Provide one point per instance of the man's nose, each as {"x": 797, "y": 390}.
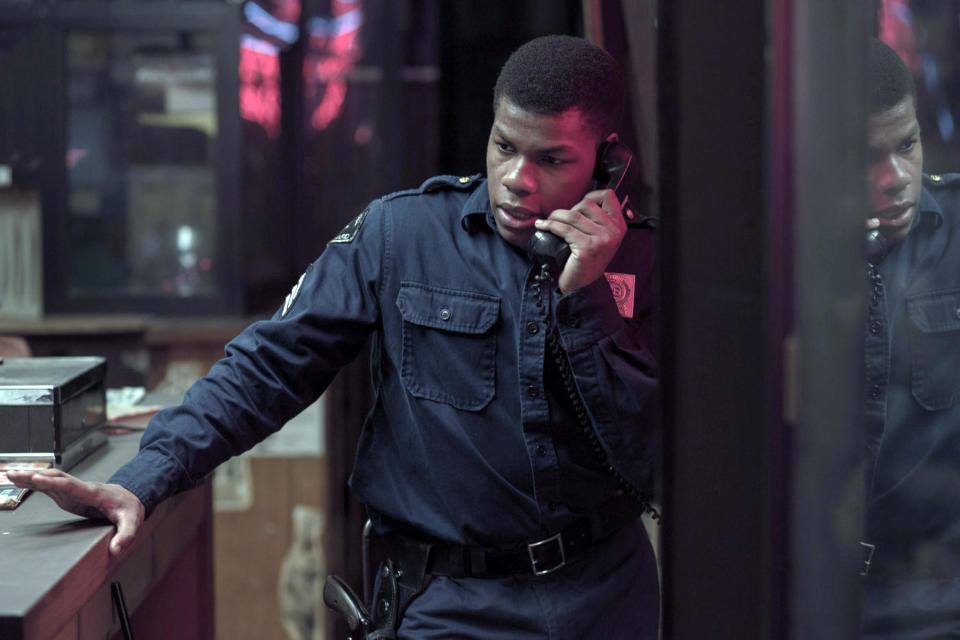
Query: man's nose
{"x": 520, "y": 179}
{"x": 894, "y": 176}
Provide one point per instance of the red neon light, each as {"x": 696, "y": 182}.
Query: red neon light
{"x": 896, "y": 30}
{"x": 260, "y": 89}
{"x": 326, "y": 69}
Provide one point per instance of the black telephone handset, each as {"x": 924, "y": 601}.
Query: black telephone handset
{"x": 616, "y": 169}
{"x": 876, "y": 246}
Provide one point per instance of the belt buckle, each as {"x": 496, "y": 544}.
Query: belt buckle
{"x": 870, "y": 548}
{"x": 534, "y": 561}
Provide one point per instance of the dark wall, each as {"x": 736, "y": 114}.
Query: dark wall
{"x": 475, "y": 39}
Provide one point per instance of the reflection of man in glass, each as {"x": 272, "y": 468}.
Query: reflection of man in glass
{"x": 912, "y": 349}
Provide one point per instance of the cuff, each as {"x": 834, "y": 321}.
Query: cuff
{"x": 150, "y": 476}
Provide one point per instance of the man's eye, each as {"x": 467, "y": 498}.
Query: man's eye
{"x": 503, "y": 147}
{"x": 552, "y": 160}
{"x": 908, "y": 145}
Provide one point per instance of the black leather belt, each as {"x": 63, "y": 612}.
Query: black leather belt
{"x": 540, "y": 557}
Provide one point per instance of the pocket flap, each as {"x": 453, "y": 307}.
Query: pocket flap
{"x": 447, "y": 309}
{"x": 936, "y": 312}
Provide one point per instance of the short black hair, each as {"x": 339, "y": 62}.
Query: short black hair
{"x": 890, "y": 80}
{"x": 551, "y": 74}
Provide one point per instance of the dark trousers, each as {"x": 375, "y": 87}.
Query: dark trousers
{"x": 611, "y": 592}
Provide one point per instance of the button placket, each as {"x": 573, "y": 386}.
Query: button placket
{"x": 877, "y": 354}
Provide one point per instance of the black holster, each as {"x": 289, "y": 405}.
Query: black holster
{"x": 401, "y": 577}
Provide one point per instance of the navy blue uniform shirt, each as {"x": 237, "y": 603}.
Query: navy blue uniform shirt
{"x": 913, "y": 424}
{"x": 465, "y": 442}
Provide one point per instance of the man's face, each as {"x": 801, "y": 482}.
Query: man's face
{"x": 895, "y": 161}
{"x": 535, "y": 165}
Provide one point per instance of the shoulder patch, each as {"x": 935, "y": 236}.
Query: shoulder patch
{"x": 294, "y": 292}
{"x": 623, "y": 286}
{"x": 350, "y": 231}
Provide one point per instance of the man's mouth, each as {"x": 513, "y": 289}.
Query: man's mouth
{"x": 516, "y": 216}
{"x": 895, "y": 216}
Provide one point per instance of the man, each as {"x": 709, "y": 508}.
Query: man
{"x": 509, "y": 445}
{"x": 912, "y": 349}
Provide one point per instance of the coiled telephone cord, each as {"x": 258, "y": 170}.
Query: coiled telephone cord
{"x": 559, "y": 357}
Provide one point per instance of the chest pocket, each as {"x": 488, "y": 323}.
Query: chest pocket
{"x": 935, "y": 348}
{"x": 449, "y": 346}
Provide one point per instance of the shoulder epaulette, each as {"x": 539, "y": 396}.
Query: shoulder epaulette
{"x": 449, "y": 182}
{"x": 935, "y": 180}
{"x": 437, "y": 183}
{"x": 400, "y": 194}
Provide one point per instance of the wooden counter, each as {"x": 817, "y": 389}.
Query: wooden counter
{"x": 55, "y": 569}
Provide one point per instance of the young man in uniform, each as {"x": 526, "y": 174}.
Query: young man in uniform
{"x": 912, "y": 350}
{"x": 507, "y": 457}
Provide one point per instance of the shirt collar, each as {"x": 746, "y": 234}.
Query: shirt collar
{"x": 476, "y": 213}
{"x": 929, "y": 214}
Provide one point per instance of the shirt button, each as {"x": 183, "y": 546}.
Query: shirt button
{"x": 532, "y": 391}
{"x": 957, "y": 312}
{"x": 532, "y": 328}
{"x": 541, "y": 450}
{"x": 874, "y": 327}
{"x": 875, "y": 391}
{"x": 445, "y": 314}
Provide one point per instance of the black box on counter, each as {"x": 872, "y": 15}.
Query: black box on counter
{"x": 52, "y": 405}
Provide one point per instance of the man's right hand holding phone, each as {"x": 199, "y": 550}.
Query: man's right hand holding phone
{"x": 594, "y": 229}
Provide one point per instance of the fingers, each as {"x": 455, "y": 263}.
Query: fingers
{"x": 596, "y": 218}
{"x": 125, "y": 510}
{"x": 21, "y": 477}
{"x": 39, "y": 479}
{"x": 88, "y": 499}
{"x": 609, "y": 206}
{"x": 873, "y": 223}
{"x": 71, "y": 494}
{"x": 56, "y": 481}
{"x": 127, "y": 526}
